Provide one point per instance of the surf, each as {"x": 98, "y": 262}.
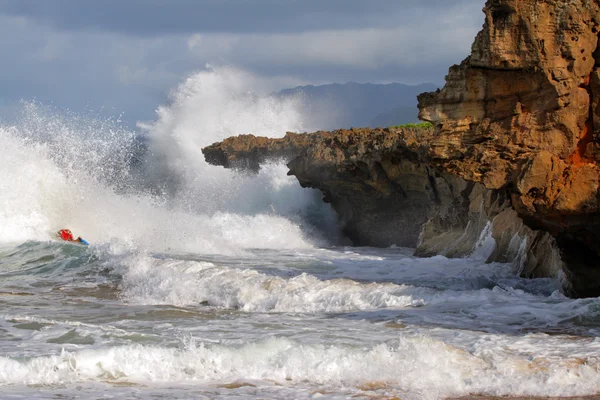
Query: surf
{"x": 201, "y": 281}
{"x": 151, "y": 189}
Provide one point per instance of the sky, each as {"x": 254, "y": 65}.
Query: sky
{"x": 124, "y": 56}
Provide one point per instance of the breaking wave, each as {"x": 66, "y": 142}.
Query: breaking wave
{"x": 154, "y": 190}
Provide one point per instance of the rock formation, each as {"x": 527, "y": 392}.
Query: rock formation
{"x": 387, "y": 190}
{"x": 514, "y": 149}
{"x": 367, "y": 175}
{"x": 522, "y": 114}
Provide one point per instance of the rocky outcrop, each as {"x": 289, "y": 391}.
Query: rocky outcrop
{"x": 366, "y": 174}
{"x": 387, "y": 190}
{"x": 515, "y": 149}
{"x": 521, "y": 114}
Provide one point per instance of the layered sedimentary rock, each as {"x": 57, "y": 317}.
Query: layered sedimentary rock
{"x": 522, "y": 114}
{"x": 515, "y": 143}
{"x": 367, "y": 175}
{"x": 387, "y": 190}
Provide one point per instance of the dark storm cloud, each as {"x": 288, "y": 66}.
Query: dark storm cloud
{"x": 157, "y": 17}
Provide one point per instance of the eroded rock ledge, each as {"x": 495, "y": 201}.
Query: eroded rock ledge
{"x": 367, "y": 175}
{"x": 516, "y": 141}
{"x": 388, "y": 190}
{"x": 521, "y": 114}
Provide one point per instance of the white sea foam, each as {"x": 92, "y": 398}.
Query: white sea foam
{"x": 27, "y": 181}
{"x": 485, "y": 245}
{"x": 62, "y": 170}
{"x": 149, "y": 280}
{"x": 251, "y": 291}
{"x": 418, "y": 366}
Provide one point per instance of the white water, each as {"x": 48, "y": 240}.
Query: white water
{"x": 69, "y": 171}
{"x": 203, "y": 283}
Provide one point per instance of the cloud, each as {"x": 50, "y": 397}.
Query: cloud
{"x": 158, "y": 17}
{"x": 367, "y": 49}
{"x": 127, "y": 55}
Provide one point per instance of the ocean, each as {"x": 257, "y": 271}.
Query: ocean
{"x": 204, "y": 283}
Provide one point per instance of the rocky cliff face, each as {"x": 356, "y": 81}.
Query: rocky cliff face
{"x": 387, "y": 190}
{"x": 367, "y": 175}
{"x": 522, "y": 114}
{"x": 515, "y": 150}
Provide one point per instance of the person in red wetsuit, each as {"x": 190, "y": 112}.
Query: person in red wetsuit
{"x": 67, "y": 236}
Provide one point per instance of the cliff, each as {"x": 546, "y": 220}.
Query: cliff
{"x": 387, "y": 190}
{"x": 367, "y": 175}
{"x": 522, "y": 114}
{"x": 514, "y": 151}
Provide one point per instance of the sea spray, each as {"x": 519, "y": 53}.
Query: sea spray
{"x": 211, "y": 106}
{"x": 205, "y": 283}
{"x": 486, "y": 244}
{"x": 155, "y": 191}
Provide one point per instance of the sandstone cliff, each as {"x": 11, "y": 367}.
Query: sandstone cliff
{"x": 516, "y": 142}
{"x": 367, "y": 175}
{"x": 387, "y": 190}
{"x": 522, "y": 114}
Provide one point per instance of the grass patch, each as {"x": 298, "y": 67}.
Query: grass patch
{"x": 414, "y": 125}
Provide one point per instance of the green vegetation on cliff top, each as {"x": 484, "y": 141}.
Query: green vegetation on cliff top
{"x": 414, "y": 125}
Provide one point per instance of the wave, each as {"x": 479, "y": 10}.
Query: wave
{"x": 487, "y": 303}
{"x": 420, "y": 367}
{"x": 153, "y": 190}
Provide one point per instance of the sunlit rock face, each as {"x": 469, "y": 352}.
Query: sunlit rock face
{"x": 515, "y": 144}
{"x": 387, "y": 190}
{"x": 522, "y": 114}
